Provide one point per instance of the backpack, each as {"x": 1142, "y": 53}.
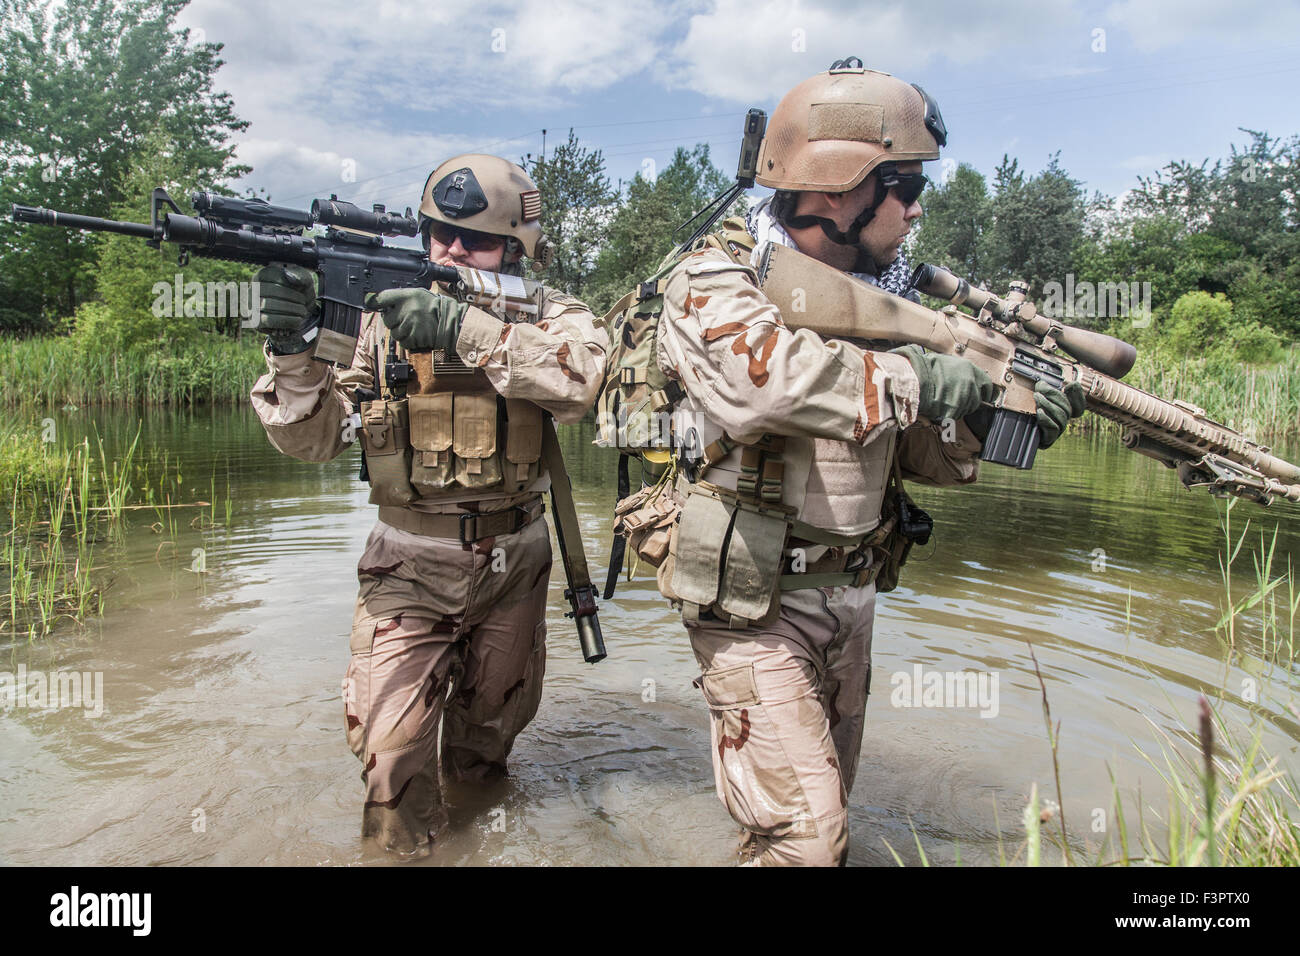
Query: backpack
{"x": 636, "y": 399}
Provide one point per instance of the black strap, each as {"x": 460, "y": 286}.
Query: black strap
{"x": 619, "y": 545}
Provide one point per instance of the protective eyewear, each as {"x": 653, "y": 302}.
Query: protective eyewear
{"x": 471, "y": 240}
{"x": 906, "y": 186}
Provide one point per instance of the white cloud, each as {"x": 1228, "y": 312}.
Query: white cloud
{"x": 746, "y": 52}
{"x": 1154, "y": 24}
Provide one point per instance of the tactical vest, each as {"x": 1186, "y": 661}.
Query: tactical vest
{"x": 451, "y": 437}
{"x": 748, "y": 521}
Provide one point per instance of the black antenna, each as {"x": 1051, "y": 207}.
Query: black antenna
{"x": 746, "y": 172}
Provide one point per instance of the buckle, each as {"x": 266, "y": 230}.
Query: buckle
{"x": 857, "y": 560}
{"x": 464, "y": 539}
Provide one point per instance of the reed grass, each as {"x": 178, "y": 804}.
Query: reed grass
{"x": 59, "y": 504}
{"x": 1227, "y": 801}
{"x": 51, "y": 371}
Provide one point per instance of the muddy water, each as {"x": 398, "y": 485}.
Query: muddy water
{"x": 221, "y": 738}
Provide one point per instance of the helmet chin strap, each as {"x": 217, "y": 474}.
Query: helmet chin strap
{"x": 849, "y": 236}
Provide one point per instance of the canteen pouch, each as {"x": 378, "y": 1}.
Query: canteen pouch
{"x": 474, "y": 439}
{"x": 385, "y": 436}
{"x": 524, "y": 422}
{"x": 726, "y": 556}
{"x": 431, "y": 437}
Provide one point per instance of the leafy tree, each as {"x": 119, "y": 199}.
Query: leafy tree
{"x": 136, "y": 285}
{"x": 84, "y": 83}
{"x": 952, "y": 232}
{"x": 1037, "y": 222}
{"x": 577, "y": 201}
{"x": 641, "y": 231}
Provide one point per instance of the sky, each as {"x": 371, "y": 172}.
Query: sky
{"x": 365, "y": 99}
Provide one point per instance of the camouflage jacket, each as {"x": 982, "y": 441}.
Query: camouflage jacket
{"x": 846, "y": 410}
{"x": 557, "y": 363}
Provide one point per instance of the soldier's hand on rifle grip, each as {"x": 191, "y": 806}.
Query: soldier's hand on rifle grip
{"x": 420, "y": 320}
{"x": 951, "y": 387}
{"x": 1055, "y": 409}
{"x": 286, "y": 306}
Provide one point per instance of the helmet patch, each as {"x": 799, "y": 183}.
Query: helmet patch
{"x": 458, "y": 194}
{"x": 531, "y": 205}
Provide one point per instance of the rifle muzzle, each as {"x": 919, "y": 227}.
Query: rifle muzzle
{"x": 589, "y": 636}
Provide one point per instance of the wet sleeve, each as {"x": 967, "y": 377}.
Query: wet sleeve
{"x": 749, "y": 372}
{"x": 557, "y": 362}
{"x": 303, "y": 404}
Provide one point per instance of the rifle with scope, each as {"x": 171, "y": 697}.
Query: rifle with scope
{"x": 1017, "y": 347}
{"x": 350, "y": 259}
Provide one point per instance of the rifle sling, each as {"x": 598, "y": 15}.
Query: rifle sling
{"x": 567, "y": 529}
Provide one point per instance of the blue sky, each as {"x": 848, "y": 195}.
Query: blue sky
{"x": 363, "y": 99}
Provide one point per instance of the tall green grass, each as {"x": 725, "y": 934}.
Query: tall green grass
{"x": 59, "y": 504}
{"x": 1262, "y": 402}
{"x": 50, "y": 371}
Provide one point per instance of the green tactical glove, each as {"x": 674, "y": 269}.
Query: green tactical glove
{"x": 951, "y": 387}
{"x": 1055, "y": 409}
{"x": 286, "y": 307}
{"x": 420, "y": 320}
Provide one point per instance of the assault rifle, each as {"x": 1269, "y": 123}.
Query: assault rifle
{"x": 1008, "y": 339}
{"x": 350, "y": 259}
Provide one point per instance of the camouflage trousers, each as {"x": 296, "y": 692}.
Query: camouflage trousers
{"x": 448, "y": 634}
{"x": 787, "y": 703}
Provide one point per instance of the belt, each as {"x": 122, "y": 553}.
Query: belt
{"x": 833, "y": 569}
{"x": 468, "y": 526}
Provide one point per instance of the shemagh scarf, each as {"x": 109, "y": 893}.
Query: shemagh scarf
{"x": 762, "y": 225}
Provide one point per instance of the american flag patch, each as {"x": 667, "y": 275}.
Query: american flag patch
{"x": 532, "y": 204}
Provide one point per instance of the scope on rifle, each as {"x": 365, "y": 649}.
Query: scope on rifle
{"x": 1105, "y": 353}
{"x": 254, "y": 212}
{"x": 346, "y": 215}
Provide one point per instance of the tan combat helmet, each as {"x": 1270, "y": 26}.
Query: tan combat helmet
{"x": 829, "y": 132}
{"x": 486, "y": 194}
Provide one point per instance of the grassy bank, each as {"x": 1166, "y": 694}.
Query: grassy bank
{"x": 55, "y": 370}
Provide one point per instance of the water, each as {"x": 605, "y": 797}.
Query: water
{"x": 222, "y": 736}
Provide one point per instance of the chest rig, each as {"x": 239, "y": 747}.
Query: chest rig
{"x": 438, "y": 430}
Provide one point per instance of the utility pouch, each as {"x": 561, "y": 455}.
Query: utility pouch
{"x": 752, "y": 565}
{"x": 474, "y": 439}
{"x": 385, "y": 437}
{"x": 697, "y": 549}
{"x": 431, "y": 436}
{"x": 646, "y": 520}
{"x": 523, "y": 443}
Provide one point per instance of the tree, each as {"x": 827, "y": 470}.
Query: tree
{"x": 641, "y": 231}
{"x": 952, "y": 231}
{"x": 1037, "y": 223}
{"x": 83, "y": 84}
{"x": 577, "y": 203}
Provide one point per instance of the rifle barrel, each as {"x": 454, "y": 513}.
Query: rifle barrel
{"x": 52, "y": 217}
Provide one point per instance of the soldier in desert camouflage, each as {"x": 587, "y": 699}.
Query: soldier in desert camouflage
{"x": 782, "y": 531}
{"x": 449, "y": 630}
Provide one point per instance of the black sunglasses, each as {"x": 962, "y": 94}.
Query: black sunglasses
{"x": 906, "y": 186}
{"x": 470, "y": 239}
